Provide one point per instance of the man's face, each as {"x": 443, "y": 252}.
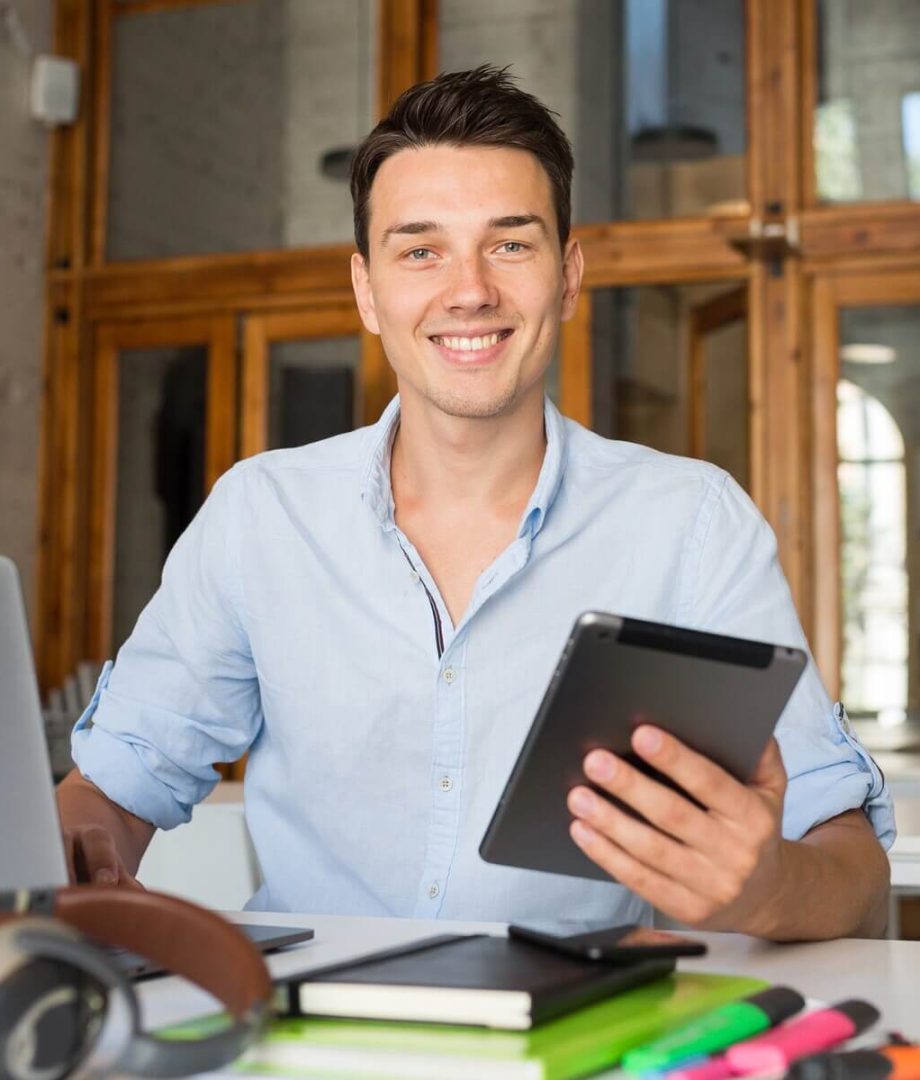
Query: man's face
{"x": 466, "y": 283}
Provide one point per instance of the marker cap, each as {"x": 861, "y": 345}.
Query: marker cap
{"x": 861, "y": 1013}
{"x": 778, "y": 1003}
{"x": 852, "y": 1065}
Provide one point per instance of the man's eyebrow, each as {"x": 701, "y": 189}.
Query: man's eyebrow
{"x": 409, "y": 228}
{"x": 517, "y": 221}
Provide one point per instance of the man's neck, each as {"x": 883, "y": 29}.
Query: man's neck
{"x": 456, "y": 461}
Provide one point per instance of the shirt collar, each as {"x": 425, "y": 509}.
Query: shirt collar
{"x": 378, "y": 494}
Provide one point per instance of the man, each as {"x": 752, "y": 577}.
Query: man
{"x": 374, "y": 617}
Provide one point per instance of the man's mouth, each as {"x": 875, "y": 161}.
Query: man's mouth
{"x": 471, "y": 344}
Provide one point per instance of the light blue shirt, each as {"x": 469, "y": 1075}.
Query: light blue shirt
{"x": 295, "y": 620}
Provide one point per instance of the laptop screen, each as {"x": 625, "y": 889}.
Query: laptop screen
{"x": 31, "y": 848}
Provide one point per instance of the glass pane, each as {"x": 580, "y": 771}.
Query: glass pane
{"x": 725, "y": 405}
{"x": 312, "y": 389}
{"x": 231, "y": 124}
{"x": 651, "y": 93}
{"x": 160, "y": 468}
{"x": 643, "y": 342}
{"x": 878, "y": 436}
{"x": 867, "y": 119}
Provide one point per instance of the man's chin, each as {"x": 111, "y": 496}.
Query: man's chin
{"x": 474, "y": 406}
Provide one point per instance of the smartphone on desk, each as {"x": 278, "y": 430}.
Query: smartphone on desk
{"x": 613, "y": 944}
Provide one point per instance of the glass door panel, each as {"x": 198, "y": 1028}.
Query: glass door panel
{"x": 670, "y": 370}
{"x": 160, "y": 468}
{"x": 878, "y": 445}
{"x": 232, "y": 124}
{"x": 164, "y": 398}
{"x": 866, "y": 469}
{"x": 867, "y": 118}
{"x": 303, "y": 377}
{"x": 313, "y": 389}
{"x": 651, "y": 93}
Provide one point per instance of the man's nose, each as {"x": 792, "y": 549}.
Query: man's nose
{"x": 470, "y": 286}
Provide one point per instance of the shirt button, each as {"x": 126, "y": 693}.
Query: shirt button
{"x": 413, "y": 574}
{"x": 433, "y": 890}
{"x": 446, "y": 783}
{"x": 449, "y": 675}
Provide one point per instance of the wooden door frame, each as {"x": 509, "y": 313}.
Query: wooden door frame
{"x": 831, "y": 293}
{"x": 218, "y": 334}
{"x": 259, "y": 331}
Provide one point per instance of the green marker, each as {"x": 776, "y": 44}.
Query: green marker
{"x": 715, "y": 1030}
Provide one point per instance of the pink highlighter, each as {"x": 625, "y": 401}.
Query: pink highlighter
{"x": 777, "y": 1049}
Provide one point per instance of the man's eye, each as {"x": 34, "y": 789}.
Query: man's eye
{"x": 513, "y": 247}
{"x": 418, "y": 254}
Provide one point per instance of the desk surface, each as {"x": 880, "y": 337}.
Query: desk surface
{"x": 883, "y": 972}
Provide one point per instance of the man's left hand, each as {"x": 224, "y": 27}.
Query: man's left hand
{"x": 718, "y": 867}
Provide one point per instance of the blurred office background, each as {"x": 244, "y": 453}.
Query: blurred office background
{"x": 174, "y": 288}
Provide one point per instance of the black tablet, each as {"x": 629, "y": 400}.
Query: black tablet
{"x": 720, "y": 695}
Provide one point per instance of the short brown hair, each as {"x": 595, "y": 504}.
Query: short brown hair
{"x": 481, "y": 107}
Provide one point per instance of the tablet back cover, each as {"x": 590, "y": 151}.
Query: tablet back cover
{"x": 722, "y": 696}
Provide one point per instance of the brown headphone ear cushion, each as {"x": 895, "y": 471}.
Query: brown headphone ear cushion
{"x": 51, "y": 1013}
{"x": 182, "y": 937}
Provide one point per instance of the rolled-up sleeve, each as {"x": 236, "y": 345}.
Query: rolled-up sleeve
{"x": 737, "y": 587}
{"x": 182, "y": 694}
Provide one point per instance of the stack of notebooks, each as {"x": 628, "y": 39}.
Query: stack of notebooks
{"x": 476, "y": 1007}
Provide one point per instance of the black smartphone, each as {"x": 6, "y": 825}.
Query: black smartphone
{"x": 612, "y": 944}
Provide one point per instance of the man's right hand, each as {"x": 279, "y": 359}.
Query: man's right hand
{"x": 92, "y": 858}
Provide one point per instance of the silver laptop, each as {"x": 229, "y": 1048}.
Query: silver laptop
{"x": 31, "y": 848}
{"x": 31, "y": 845}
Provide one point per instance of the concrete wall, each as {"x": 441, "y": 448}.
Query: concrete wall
{"x": 221, "y": 115}
{"x": 23, "y": 173}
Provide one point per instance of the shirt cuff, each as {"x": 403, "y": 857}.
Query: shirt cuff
{"x": 114, "y": 763}
{"x": 831, "y": 772}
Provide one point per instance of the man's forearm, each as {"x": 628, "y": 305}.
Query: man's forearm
{"x": 835, "y": 884}
{"x": 80, "y": 802}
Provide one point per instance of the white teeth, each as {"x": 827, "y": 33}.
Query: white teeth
{"x": 465, "y": 344}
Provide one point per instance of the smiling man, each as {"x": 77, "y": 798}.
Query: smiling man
{"x": 374, "y": 618}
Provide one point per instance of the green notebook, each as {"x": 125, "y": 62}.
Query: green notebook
{"x": 579, "y": 1044}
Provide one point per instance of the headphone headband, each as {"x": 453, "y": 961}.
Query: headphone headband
{"x": 184, "y": 938}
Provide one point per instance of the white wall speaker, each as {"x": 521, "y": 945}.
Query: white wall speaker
{"x": 55, "y": 98}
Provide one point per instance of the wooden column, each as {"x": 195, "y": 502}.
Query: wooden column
{"x": 780, "y": 476}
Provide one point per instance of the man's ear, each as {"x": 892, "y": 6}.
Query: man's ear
{"x": 360, "y": 282}
{"x": 573, "y": 268}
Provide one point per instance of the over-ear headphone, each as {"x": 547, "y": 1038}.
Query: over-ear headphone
{"x": 64, "y": 1004}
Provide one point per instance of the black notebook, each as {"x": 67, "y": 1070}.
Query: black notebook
{"x": 457, "y": 979}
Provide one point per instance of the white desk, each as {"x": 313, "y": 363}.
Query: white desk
{"x": 883, "y": 972}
